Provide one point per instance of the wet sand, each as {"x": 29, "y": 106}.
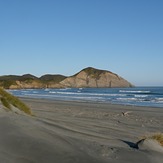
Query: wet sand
{"x": 79, "y": 132}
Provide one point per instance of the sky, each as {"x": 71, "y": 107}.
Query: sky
{"x": 64, "y": 36}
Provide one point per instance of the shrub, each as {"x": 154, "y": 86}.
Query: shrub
{"x": 7, "y": 83}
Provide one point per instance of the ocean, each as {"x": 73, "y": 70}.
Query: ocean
{"x": 138, "y": 96}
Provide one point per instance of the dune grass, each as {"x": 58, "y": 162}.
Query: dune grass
{"x": 5, "y": 103}
{"x": 156, "y": 136}
{"x": 8, "y": 100}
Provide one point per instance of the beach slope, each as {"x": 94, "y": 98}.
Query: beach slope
{"x": 76, "y": 132}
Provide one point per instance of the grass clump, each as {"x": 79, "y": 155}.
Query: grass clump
{"x": 157, "y": 136}
{"x": 7, "y": 100}
{"x": 5, "y": 103}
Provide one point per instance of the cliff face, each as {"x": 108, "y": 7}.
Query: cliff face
{"x": 94, "y": 78}
{"x": 88, "y": 77}
{"x": 26, "y": 84}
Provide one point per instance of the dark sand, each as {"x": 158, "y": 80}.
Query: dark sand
{"x": 76, "y": 132}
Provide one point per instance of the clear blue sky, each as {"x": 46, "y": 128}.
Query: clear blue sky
{"x": 65, "y": 36}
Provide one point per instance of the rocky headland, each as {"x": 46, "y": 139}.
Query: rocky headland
{"x": 86, "y": 78}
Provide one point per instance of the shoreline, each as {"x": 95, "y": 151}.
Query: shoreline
{"x": 78, "y": 132}
{"x": 87, "y": 102}
{"x": 138, "y": 96}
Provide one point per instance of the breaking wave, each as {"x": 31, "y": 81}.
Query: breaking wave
{"x": 125, "y": 91}
{"x": 142, "y": 96}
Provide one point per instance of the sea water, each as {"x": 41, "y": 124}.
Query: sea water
{"x": 138, "y": 96}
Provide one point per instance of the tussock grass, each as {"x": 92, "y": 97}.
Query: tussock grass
{"x": 5, "y": 103}
{"x": 157, "y": 136}
{"x": 8, "y": 100}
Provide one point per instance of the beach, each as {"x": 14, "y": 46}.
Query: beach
{"x": 79, "y": 132}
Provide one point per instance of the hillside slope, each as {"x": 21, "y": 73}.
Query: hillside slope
{"x": 88, "y": 77}
{"x": 94, "y": 78}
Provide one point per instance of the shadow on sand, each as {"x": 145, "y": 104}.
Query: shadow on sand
{"x": 131, "y": 144}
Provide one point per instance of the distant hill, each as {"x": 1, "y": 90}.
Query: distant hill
{"x": 95, "y": 78}
{"x": 88, "y": 77}
{"x": 52, "y": 78}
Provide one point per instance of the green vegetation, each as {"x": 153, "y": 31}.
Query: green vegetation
{"x": 7, "y": 83}
{"x": 52, "y": 78}
{"x": 8, "y": 80}
{"x": 47, "y": 81}
{"x": 5, "y": 103}
{"x": 8, "y": 100}
{"x": 27, "y": 78}
{"x": 94, "y": 73}
{"x": 9, "y": 77}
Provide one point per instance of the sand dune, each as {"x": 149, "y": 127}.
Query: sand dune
{"x": 74, "y": 132}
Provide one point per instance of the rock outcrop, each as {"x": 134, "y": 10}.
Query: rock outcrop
{"x": 88, "y": 77}
{"x": 94, "y": 78}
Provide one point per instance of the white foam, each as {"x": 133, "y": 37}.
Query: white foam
{"x": 141, "y": 96}
{"x": 125, "y": 91}
{"x": 123, "y": 96}
{"x": 127, "y": 99}
{"x": 85, "y": 94}
{"x": 158, "y": 100}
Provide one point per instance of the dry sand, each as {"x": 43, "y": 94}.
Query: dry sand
{"x": 78, "y": 132}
